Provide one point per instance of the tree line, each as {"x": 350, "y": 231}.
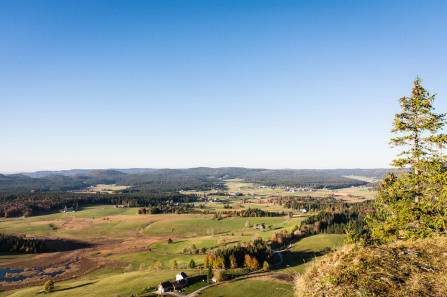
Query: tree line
{"x": 252, "y": 212}
{"x": 337, "y": 219}
{"x": 15, "y": 244}
{"x": 26, "y": 204}
{"x": 173, "y": 180}
{"x": 250, "y": 254}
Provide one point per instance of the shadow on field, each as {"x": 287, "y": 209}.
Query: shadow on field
{"x": 293, "y": 259}
{"x": 61, "y": 245}
{"x": 195, "y": 283}
{"x": 75, "y": 287}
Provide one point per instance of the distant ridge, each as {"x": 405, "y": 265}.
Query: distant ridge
{"x": 70, "y": 172}
{"x": 173, "y": 180}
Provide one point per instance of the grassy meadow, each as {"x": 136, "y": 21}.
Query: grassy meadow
{"x": 138, "y": 242}
{"x": 308, "y": 249}
{"x": 251, "y": 191}
{"x": 250, "y": 288}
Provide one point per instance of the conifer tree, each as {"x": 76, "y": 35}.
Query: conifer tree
{"x": 413, "y": 203}
{"x": 419, "y": 124}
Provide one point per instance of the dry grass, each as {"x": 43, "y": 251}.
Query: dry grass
{"x": 411, "y": 268}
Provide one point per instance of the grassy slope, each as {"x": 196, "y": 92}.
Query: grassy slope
{"x": 124, "y": 220}
{"x": 308, "y": 249}
{"x": 203, "y": 226}
{"x": 150, "y": 259}
{"x": 408, "y": 268}
{"x": 250, "y": 288}
{"x": 107, "y": 284}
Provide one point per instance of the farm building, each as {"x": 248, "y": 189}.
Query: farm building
{"x": 181, "y": 281}
{"x": 181, "y": 276}
{"x": 179, "y": 285}
{"x": 165, "y": 287}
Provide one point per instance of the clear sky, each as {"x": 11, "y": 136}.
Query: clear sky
{"x": 273, "y": 84}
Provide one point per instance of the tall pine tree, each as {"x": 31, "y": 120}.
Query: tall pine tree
{"x": 413, "y": 203}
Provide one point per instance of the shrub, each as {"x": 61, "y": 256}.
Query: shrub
{"x": 219, "y": 275}
{"x": 48, "y": 286}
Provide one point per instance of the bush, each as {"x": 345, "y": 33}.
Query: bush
{"x": 129, "y": 268}
{"x": 219, "y": 275}
{"x": 48, "y": 286}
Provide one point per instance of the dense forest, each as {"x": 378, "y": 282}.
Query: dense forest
{"x": 301, "y": 178}
{"x": 25, "y": 204}
{"x": 339, "y": 218}
{"x": 248, "y": 254}
{"x": 14, "y": 244}
{"x": 310, "y": 203}
{"x": 165, "y": 180}
{"x": 169, "y": 180}
{"x": 252, "y": 212}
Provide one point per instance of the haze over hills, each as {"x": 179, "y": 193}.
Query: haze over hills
{"x": 44, "y": 173}
{"x": 370, "y": 172}
{"x": 201, "y": 178}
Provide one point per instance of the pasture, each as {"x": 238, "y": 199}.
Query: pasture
{"x": 308, "y": 249}
{"x": 251, "y": 191}
{"x": 250, "y": 288}
{"x": 121, "y": 240}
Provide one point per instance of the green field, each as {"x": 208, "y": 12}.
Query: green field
{"x": 249, "y": 288}
{"x": 151, "y": 258}
{"x": 192, "y": 224}
{"x": 308, "y": 249}
{"x": 250, "y": 191}
{"x": 103, "y": 284}
{"x": 200, "y": 230}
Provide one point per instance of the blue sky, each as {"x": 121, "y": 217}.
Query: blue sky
{"x": 274, "y": 84}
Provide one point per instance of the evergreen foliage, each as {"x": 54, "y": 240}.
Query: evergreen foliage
{"x": 25, "y": 204}
{"x": 240, "y": 255}
{"x": 413, "y": 203}
{"x": 14, "y": 244}
{"x": 335, "y": 220}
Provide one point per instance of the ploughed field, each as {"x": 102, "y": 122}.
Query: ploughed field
{"x": 102, "y": 250}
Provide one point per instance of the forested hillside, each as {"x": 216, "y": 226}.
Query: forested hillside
{"x": 301, "y": 178}
{"x": 172, "y": 180}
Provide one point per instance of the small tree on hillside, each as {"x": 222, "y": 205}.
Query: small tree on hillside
{"x": 48, "y": 286}
{"x": 254, "y": 263}
{"x": 293, "y": 229}
{"x": 413, "y": 203}
{"x": 265, "y": 266}
{"x": 159, "y": 265}
{"x": 247, "y": 261}
{"x": 192, "y": 264}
